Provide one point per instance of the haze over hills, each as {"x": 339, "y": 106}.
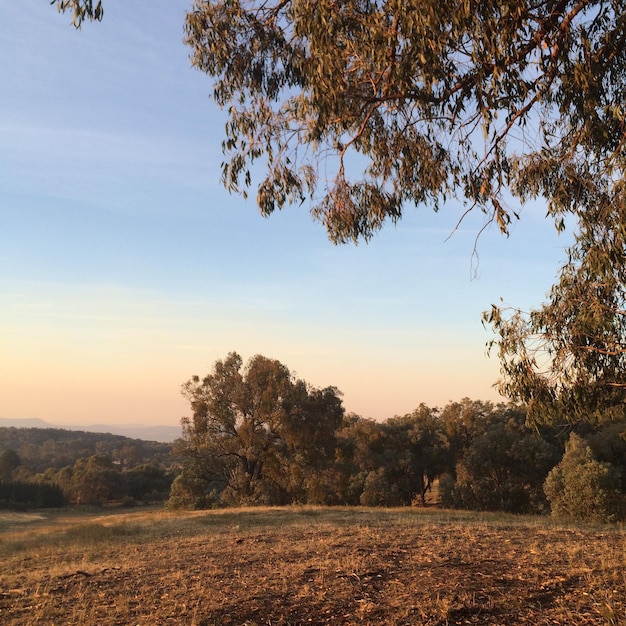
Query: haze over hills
{"x": 164, "y": 434}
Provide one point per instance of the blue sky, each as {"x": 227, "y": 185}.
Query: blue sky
{"x": 125, "y": 267}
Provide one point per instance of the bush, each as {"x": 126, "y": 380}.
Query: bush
{"x": 192, "y": 493}
{"x": 583, "y": 488}
{"x": 380, "y": 490}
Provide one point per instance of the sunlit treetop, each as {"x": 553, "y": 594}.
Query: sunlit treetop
{"x": 365, "y": 107}
{"x": 362, "y": 107}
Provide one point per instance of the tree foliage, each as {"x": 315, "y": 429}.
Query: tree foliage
{"x": 498, "y": 462}
{"x": 86, "y": 467}
{"x": 21, "y": 495}
{"x": 567, "y": 359}
{"x": 479, "y": 455}
{"x": 433, "y": 99}
{"x": 81, "y": 10}
{"x": 42, "y": 448}
{"x": 363, "y": 107}
{"x": 582, "y": 487}
{"x": 390, "y": 463}
{"x": 9, "y": 462}
{"x": 257, "y": 434}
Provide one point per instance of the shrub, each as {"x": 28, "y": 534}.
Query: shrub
{"x": 582, "y": 487}
{"x": 191, "y": 493}
{"x": 380, "y": 490}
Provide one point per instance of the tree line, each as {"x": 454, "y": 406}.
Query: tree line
{"x": 50, "y": 467}
{"x": 258, "y": 435}
{"x": 362, "y": 109}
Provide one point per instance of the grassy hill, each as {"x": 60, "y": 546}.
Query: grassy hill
{"x": 288, "y": 566}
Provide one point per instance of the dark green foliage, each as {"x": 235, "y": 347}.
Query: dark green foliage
{"x": 608, "y": 444}
{"x": 28, "y": 495}
{"x": 97, "y": 480}
{"x": 499, "y": 463}
{"x": 504, "y": 466}
{"x": 484, "y": 457}
{"x": 147, "y": 482}
{"x": 391, "y": 463}
{"x": 380, "y": 489}
{"x": 582, "y": 487}
{"x": 9, "y": 462}
{"x": 87, "y": 467}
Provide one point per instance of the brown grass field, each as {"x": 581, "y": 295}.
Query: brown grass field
{"x": 288, "y": 566}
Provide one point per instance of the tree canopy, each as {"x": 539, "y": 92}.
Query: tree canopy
{"x": 364, "y": 107}
{"x": 432, "y": 99}
{"x": 567, "y": 359}
{"x": 257, "y": 435}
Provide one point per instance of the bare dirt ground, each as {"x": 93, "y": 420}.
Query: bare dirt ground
{"x": 297, "y": 566}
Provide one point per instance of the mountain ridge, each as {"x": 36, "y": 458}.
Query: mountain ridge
{"x": 162, "y": 434}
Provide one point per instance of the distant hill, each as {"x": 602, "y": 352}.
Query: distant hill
{"x": 41, "y": 448}
{"x": 26, "y": 423}
{"x": 163, "y": 434}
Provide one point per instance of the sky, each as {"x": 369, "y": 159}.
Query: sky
{"x": 126, "y": 268}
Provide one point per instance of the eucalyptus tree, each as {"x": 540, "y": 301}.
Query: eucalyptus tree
{"x": 502, "y": 463}
{"x": 434, "y": 98}
{"x": 257, "y": 435}
{"x": 567, "y": 359}
{"x": 364, "y": 107}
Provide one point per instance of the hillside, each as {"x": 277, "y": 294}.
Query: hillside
{"x": 165, "y": 434}
{"x": 319, "y": 566}
{"x": 42, "y": 448}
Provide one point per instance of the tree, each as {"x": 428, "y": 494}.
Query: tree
{"x": 567, "y": 359}
{"x": 15, "y": 494}
{"x": 429, "y": 446}
{"x": 363, "y": 107}
{"x": 608, "y": 444}
{"x": 95, "y": 480}
{"x": 502, "y": 466}
{"x": 420, "y": 435}
{"x": 9, "y": 462}
{"x": 146, "y": 482}
{"x": 257, "y": 434}
{"x": 352, "y": 457}
{"x": 389, "y": 463}
{"x": 582, "y": 487}
{"x": 433, "y": 98}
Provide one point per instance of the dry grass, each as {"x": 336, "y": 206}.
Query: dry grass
{"x": 290, "y": 566}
